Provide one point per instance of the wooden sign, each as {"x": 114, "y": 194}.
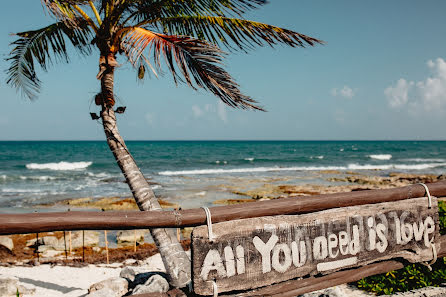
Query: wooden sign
{"x": 252, "y": 253}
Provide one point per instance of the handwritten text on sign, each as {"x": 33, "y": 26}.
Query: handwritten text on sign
{"x": 256, "y": 252}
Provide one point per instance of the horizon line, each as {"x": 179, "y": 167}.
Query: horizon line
{"x": 214, "y": 140}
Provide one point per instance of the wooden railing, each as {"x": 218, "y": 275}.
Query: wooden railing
{"x": 121, "y": 220}
{"x": 74, "y": 220}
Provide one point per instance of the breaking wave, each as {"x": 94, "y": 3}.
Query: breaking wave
{"x": 59, "y": 166}
{"x": 381, "y": 157}
{"x": 304, "y": 168}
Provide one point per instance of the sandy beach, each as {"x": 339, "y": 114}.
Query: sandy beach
{"x": 51, "y": 280}
{"x": 56, "y": 276}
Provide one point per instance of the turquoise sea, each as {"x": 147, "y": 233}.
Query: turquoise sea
{"x": 195, "y": 173}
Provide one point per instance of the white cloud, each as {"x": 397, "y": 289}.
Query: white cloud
{"x": 428, "y": 94}
{"x": 221, "y": 111}
{"x": 398, "y": 95}
{"x": 432, "y": 91}
{"x": 345, "y": 92}
{"x": 196, "y": 110}
{"x": 209, "y": 111}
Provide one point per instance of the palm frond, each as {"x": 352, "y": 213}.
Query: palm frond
{"x": 63, "y": 10}
{"x": 189, "y": 60}
{"x": 142, "y": 10}
{"x": 43, "y": 46}
{"x": 232, "y": 31}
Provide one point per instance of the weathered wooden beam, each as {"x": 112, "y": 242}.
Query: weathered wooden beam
{"x": 257, "y": 252}
{"x": 82, "y": 220}
{"x": 297, "y": 287}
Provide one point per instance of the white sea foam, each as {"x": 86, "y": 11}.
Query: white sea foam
{"x": 99, "y": 175}
{"x": 381, "y": 157}
{"x": 249, "y": 159}
{"x": 39, "y": 178}
{"x": 424, "y": 160}
{"x": 395, "y": 166}
{"x": 304, "y": 168}
{"x": 244, "y": 170}
{"x": 10, "y": 190}
{"x": 60, "y": 166}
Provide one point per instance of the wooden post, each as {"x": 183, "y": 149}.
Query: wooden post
{"x": 69, "y": 236}
{"x": 37, "y": 247}
{"x": 106, "y": 245}
{"x": 65, "y": 245}
{"x": 83, "y": 246}
{"x": 134, "y": 237}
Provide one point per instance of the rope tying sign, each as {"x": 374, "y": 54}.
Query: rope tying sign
{"x": 209, "y": 222}
{"x": 211, "y": 239}
{"x": 434, "y": 249}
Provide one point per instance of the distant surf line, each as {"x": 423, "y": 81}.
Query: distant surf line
{"x": 303, "y": 168}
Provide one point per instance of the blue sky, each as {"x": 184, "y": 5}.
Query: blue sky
{"x": 381, "y": 75}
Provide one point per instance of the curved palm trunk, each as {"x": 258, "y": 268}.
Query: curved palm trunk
{"x": 175, "y": 259}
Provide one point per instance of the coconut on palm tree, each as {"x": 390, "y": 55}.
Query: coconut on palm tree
{"x": 186, "y": 34}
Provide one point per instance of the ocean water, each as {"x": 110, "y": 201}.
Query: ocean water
{"x": 195, "y": 173}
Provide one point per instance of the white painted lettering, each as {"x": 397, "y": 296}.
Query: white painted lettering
{"x": 229, "y": 261}
{"x": 418, "y": 230}
{"x": 285, "y": 250}
{"x": 320, "y": 251}
{"x": 343, "y": 242}
{"x": 299, "y": 254}
{"x": 406, "y": 233}
{"x": 240, "y": 252}
{"x": 397, "y": 230}
{"x": 381, "y": 232}
{"x": 354, "y": 246}
{"x": 212, "y": 262}
{"x": 332, "y": 243}
{"x": 429, "y": 227}
{"x": 265, "y": 250}
{"x": 372, "y": 233}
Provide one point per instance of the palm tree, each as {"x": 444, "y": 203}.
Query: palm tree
{"x": 186, "y": 34}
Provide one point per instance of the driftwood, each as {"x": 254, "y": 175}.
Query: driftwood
{"x": 73, "y": 220}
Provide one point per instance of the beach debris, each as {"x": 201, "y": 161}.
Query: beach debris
{"x": 105, "y": 292}
{"x": 128, "y": 273}
{"x": 127, "y": 237}
{"x": 154, "y": 284}
{"x": 10, "y": 284}
{"x": 424, "y": 292}
{"x": 118, "y": 285}
{"x": 338, "y": 291}
{"x": 232, "y": 201}
{"x": 7, "y": 242}
{"x": 58, "y": 244}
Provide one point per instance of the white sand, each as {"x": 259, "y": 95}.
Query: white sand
{"x": 60, "y": 280}
{"x": 68, "y": 281}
